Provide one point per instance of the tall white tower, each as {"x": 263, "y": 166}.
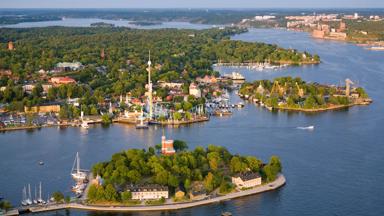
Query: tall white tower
{"x": 150, "y": 86}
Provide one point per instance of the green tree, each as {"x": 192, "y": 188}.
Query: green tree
{"x": 180, "y": 145}
{"x": 58, "y": 196}
{"x": 110, "y": 193}
{"x": 126, "y": 196}
{"x": 106, "y": 119}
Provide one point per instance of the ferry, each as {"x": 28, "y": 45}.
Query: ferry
{"x": 222, "y": 112}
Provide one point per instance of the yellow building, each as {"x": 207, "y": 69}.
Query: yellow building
{"x": 43, "y": 108}
{"x": 149, "y": 192}
{"x": 179, "y": 194}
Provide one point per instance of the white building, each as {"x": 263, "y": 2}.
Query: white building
{"x": 246, "y": 180}
{"x": 194, "y": 90}
{"x": 70, "y": 65}
{"x": 149, "y": 192}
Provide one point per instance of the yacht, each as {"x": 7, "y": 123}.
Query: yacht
{"x": 77, "y": 173}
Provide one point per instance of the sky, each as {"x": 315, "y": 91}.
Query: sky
{"x": 191, "y": 4}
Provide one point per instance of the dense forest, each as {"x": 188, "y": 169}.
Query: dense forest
{"x": 211, "y": 166}
{"x": 178, "y": 55}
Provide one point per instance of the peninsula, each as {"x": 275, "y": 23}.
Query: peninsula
{"x": 287, "y": 93}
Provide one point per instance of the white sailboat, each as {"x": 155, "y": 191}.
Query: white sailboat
{"x": 35, "y": 198}
{"x": 29, "y": 199}
{"x": 24, "y": 197}
{"x": 76, "y": 173}
{"x": 40, "y": 199}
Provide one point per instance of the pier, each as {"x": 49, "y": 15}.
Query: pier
{"x": 277, "y": 183}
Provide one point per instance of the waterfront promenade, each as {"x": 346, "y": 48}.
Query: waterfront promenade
{"x": 280, "y": 181}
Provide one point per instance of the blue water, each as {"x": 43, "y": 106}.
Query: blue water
{"x": 334, "y": 170}
{"x": 86, "y": 22}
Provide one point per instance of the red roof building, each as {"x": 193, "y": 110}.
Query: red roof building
{"x": 62, "y": 80}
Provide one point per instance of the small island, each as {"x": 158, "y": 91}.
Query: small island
{"x": 169, "y": 174}
{"x": 287, "y": 93}
{"x": 145, "y": 23}
{"x": 102, "y": 24}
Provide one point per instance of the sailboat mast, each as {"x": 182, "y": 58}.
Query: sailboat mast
{"x": 78, "y": 162}
{"x": 40, "y": 191}
{"x": 29, "y": 192}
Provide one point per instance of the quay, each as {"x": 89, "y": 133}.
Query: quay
{"x": 277, "y": 183}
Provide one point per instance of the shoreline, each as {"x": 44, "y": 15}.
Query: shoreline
{"x": 277, "y": 183}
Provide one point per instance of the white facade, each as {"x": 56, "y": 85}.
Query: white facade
{"x": 149, "y": 194}
{"x": 240, "y": 183}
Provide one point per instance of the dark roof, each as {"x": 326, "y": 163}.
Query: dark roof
{"x": 198, "y": 192}
{"x": 247, "y": 176}
{"x": 152, "y": 187}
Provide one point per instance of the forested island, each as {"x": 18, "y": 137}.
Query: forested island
{"x": 287, "y": 93}
{"x": 145, "y": 23}
{"x": 183, "y": 176}
{"x": 110, "y": 62}
{"x": 102, "y": 24}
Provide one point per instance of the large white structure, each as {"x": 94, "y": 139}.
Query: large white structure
{"x": 149, "y": 192}
{"x": 246, "y": 180}
{"x": 194, "y": 90}
{"x": 70, "y": 65}
{"x": 150, "y": 102}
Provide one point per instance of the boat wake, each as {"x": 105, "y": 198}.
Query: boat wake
{"x": 306, "y": 128}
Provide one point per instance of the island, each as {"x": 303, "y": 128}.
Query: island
{"x": 79, "y": 76}
{"x": 145, "y": 23}
{"x": 287, "y": 93}
{"x": 102, "y": 24}
{"x": 170, "y": 174}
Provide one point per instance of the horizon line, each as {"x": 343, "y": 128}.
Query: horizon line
{"x": 194, "y": 8}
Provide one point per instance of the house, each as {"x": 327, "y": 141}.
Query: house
{"x": 62, "y": 80}
{"x": 46, "y": 87}
{"x": 207, "y": 79}
{"x": 98, "y": 181}
{"x": 167, "y": 146}
{"x": 179, "y": 194}
{"x": 246, "y": 180}
{"x": 28, "y": 87}
{"x": 69, "y": 66}
{"x": 171, "y": 85}
{"x": 197, "y": 194}
{"x": 194, "y": 90}
{"x": 148, "y": 192}
{"x": 44, "y": 108}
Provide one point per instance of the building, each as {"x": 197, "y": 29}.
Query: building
{"x": 69, "y": 66}
{"x": 194, "y": 90}
{"x": 260, "y": 89}
{"x": 28, "y": 87}
{"x": 207, "y": 79}
{"x": 10, "y": 46}
{"x": 197, "y": 195}
{"x": 179, "y": 194}
{"x": 44, "y": 108}
{"x": 98, "y": 181}
{"x": 62, "y": 80}
{"x": 167, "y": 146}
{"x": 148, "y": 192}
{"x": 246, "y": 180}
{"x": 171, "y": 85}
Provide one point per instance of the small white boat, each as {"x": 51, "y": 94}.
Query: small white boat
{"x": 85, "y": 125}
{"x": 306, "y": 128}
